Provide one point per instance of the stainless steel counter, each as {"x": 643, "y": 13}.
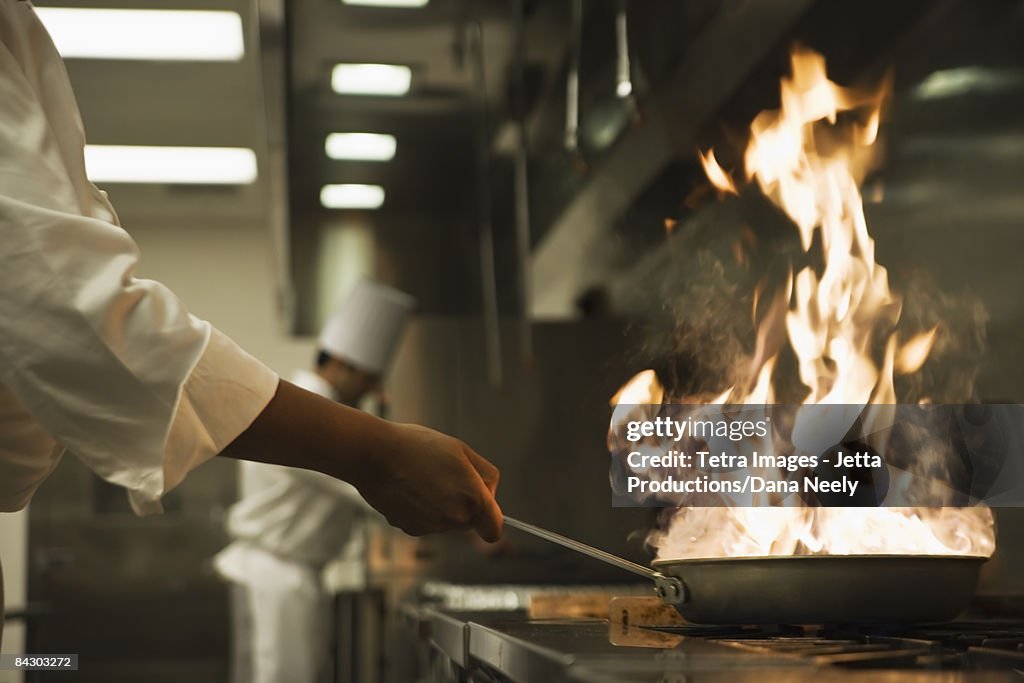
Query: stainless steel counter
{"x": 509, "y": 646}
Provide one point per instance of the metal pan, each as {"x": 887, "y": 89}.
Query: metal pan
{"x": 814, "y": 589}
{"x": 803, "y": 589}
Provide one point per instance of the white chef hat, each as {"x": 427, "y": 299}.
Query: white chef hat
{"x": 366, "y": 330}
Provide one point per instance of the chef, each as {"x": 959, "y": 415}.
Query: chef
{"x": 289, "y": 523}
{"x": 97, "y": 362}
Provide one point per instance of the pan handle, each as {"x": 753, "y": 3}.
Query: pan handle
{"x": 669, "y": 588}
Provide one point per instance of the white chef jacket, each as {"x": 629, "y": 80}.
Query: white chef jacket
{"x": 93, "y": 359}
{"x": 296, "y": 515}
{"x": 286, "y": 525}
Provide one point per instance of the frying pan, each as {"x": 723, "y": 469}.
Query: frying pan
{"x": 802, "y": 589}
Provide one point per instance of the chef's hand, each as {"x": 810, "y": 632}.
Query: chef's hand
{"x": 424, "y": 481}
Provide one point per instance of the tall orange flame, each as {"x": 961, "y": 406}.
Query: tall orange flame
{"x": 812, "y": 168}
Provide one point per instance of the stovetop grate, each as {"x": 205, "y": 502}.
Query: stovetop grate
{"x": 960, "y": 645}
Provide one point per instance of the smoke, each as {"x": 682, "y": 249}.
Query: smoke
{"x": 952, "y": 368}
{"x": 701, "y": 338}
{"x": 694, "y": 342}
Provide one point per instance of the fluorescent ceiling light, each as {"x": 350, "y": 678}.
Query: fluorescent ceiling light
{"x": 186, "y": 165}
{"x": 185, "y": 35}
{"x": 387, "y": 3}
{"x": 371, "y": 79}
{"x": 352, "y": 196}
{"x": 360, "y": 146}
{"x": 968, "y": 80}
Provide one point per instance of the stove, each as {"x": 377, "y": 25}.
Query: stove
{"x": 962, "y": 645}
{"x": 641, "y": 645}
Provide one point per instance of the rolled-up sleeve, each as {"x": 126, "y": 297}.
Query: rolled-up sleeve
{"x": 112, "y": 366}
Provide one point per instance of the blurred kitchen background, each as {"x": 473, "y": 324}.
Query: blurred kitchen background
{"x": 538, "y": 148}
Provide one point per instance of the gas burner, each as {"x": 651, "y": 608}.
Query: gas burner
{"x": 958, "y": 645}
{"x": 989, "y": 645}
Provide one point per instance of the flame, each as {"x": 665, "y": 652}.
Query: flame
{"x": 757, "y": 532}
{"x": 716, "y": 174}
{"x": 810, "y": 158}
{"x": 914, "y": 353}
{"x": 638, "y": 399}
{"x": 644, "y": 389}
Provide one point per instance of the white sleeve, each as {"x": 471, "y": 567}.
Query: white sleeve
{"x": 111, "y": 365}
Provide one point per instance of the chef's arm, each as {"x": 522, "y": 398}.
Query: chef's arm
{"x": 116, "y": 370}
{"x": 422, "y": 481}
{"x": 329, "y": 485}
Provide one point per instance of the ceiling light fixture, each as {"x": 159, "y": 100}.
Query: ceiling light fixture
{"x": 387, "y": 3}
{"x": 352, "y": 196}
{"x": 371, "y": 79}
{"x": 174, "y": 35}
{"x": 174, "y": 165}
{"x": 360, "y": 146}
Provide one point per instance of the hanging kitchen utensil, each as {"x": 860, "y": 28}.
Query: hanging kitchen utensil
{"x": 803, "y": 589}
{"x": 521, "y": 182}
{"x": 488, "y": 275}
{"x": 623, "y": 77}
{"x": 572, "y": 85}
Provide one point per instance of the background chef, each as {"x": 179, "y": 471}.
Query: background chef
{"x": 289, "y": 523}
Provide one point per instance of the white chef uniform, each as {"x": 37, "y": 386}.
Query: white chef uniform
{"x": 289, "y": 523}
{"x": 93, "y": 359}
